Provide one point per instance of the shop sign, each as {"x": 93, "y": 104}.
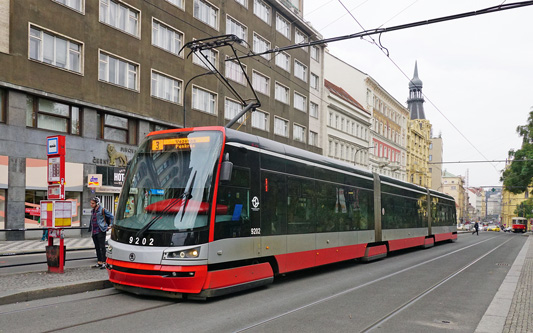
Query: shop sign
{"x": 33, "y": 211}
{"x": 94, "y": 180}
{"x": 118, "y": 176}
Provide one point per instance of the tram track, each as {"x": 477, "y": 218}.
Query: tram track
{"x": 110, "y": 317}
{"x": 399, "y": 309}
{"x": 426, "y": 292}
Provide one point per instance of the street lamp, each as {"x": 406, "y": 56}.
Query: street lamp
{"x": 357, "y": 149}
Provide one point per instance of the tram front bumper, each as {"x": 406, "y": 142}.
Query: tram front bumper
{"x": 174, "y": 279}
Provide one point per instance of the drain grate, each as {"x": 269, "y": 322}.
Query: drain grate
{"x": 502, "y": 264}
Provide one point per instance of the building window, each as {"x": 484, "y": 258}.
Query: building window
{"x": 54, "y": 50}
{"x": 50, "y": 115}
{"x": 283, "y": 26}
{"x": 243, "y": 3}
{"x": 313, "y": 110}
{"x": 231, "y": 109}
{"x": 206, "y": 12}
{"x": 120, "y": 16}
{"x": 154, "y": 127}
{"x": 204, "y": 100}
{"x": 261, "y": 83}
{"x": 167, "y": 38}
{"x": 261, "y": 45}
{"x": 211, "y": 55}
{"x": 300, "y": 70}
{"x": 236, "y": 28}
{"x": 177, "y": 3}
{"x": 283, "y": 60}
{"x": 298, "y": 133}
{"x": 315, "y": 53}
{"x": 260, "y": 120}
{"x": 281, "y": 127}
{"x": 313, "y": 138}
{"x": 166, "y": 87}
{"x": 262, "y": 10}
{"x": 234, "y": 72}
{"x": 300, "y": 38}
{"x": 281, "y": 93}
{"x": 300, "y": 102}
{"x": 314, "y": 81}
{"x": 118, "y": 71}
{"x": 115, "y": 128}
{"x": 77, "y": 5}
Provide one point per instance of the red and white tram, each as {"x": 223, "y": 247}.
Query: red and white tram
{"x": 519, "y": 224}
{"x": 207, "y": 211}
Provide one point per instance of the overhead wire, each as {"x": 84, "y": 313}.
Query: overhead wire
{"x": 425, "y": 96}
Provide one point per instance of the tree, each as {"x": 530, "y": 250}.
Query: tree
{"x": 525, "y": 209}
{"x": 519, "y": 175}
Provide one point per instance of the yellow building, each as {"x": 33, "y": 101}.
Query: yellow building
{"x": 510, "y": 202}
{"x": 454, "y": 185}
{"x": 418, "y": 135}
{"x": 418, "y": 141}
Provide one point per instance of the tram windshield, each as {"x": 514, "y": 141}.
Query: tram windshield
{"x": 169, "y": 182}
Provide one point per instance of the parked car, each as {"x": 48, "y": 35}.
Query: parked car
{"x": 493, "y": 227}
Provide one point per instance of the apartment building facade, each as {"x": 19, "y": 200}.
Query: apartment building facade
{"x": 388, "y": 129}
{"x": 108, "y": 72}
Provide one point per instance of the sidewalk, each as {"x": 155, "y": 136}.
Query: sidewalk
{"x": 37, "y": 285}
{"x": 510, "y": 310}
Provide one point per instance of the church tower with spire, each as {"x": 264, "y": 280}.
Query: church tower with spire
{"x": 415, "y": 102}
{"x": 418, "y": 136}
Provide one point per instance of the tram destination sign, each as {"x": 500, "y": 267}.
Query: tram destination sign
{"x": 179, "y": 143}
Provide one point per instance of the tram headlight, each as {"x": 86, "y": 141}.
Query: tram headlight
{"x": 182, "y": 254}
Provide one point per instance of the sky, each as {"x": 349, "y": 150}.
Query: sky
{"x": 477, "y": 72}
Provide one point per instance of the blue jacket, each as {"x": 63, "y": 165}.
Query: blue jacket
{"x": 101, "y": 219}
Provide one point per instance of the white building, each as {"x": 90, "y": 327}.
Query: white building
{"x": 348, "y": 126}
{"x": 388, "y": 135}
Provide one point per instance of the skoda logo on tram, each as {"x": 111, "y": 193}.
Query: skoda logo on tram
{"x": 132, "y": 256}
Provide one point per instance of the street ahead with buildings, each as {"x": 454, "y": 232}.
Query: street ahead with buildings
{"x": 110, "y": 72}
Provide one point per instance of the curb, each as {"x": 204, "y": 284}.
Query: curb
{"x": 23, "y": 252}
{"x": 31, "y": 295}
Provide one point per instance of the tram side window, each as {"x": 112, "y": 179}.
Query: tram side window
{"x": 364, "y": 209}
{"x": 328, "y": 207}
{"x": 232, "y": 209}
{"x": 273, "y": 204}
{"x": 301, "y": 206}
{"x": 393, "y": 217}
{"x": 422, "y": 211}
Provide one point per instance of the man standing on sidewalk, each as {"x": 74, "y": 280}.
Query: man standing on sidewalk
{"x": 101, "y": 221}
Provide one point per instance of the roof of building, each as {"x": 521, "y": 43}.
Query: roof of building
{"x": 338, "y": 91}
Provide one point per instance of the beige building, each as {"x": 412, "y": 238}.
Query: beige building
{"x": 435, "y": 163}
{"x": 454, "y": 185}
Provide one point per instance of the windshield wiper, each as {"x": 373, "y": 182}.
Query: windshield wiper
{"x": 187, "y": 195}
{"x": 183, "y": 199}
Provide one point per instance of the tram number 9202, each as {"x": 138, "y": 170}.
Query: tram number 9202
{"x": 144, "y": 241}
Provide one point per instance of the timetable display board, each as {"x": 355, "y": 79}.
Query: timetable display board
{"x": 55, "y": 149}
